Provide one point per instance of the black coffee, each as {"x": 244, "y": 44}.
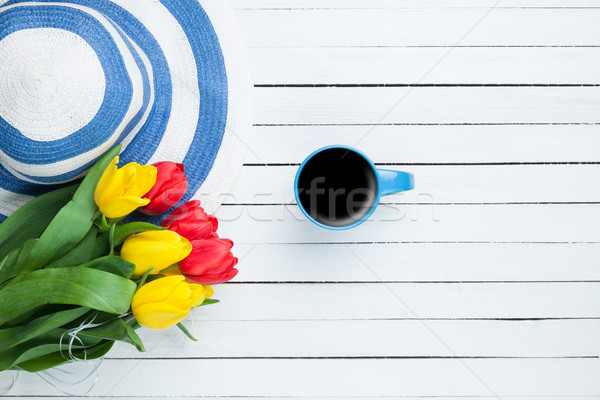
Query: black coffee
{"x": 337, "y": 187}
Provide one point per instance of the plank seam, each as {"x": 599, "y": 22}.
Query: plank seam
{"x": 433, "y": 124}
{"x": 419, "y": 85}
{"x": 507, "y": 319}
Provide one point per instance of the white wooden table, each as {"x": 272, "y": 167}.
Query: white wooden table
{"x": 484, "y": 282}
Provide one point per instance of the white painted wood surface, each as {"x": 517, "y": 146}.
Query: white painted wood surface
{"x": 483, "y": 283}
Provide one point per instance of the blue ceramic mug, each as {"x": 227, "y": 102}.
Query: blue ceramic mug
{"x": 338, "y": 187}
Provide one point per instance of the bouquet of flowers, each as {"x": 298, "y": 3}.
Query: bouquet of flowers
{"x": 77, "y": 273}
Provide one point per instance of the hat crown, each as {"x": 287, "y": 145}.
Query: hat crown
{"x": 56, "y": 83}
{"x": 75, "y": 89}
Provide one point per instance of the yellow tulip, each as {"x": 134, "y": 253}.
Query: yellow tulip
{"x": 155, "y": 249}
{"x": 165, "y": 302}
{"x": 120, "y": 190}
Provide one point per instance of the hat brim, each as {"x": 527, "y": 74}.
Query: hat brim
{"x": 198, "y": 111}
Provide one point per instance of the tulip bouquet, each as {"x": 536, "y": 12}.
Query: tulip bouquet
{"x": 78, "y": 273}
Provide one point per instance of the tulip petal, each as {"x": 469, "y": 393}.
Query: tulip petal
{"x": 121, "y": 206}
{"x": 181, "y": 296}
{"x": 186, "y": 211}
{"x": 150, "y": 255}
{"x": 110, "y": 189}
{"x": 213, "y": 279}
{"x": 136, "y": 178}
{"x": 193, "y": 229}
{"x": 208, "y": 290}
{"x": 214, "y": 222}
{"x": 146, "y": 178}
{"x": 190, "y": 220}
{"x": 105, "y": 178}
{"x": 155, "y": 249}
{"x": 159, "y": 236}
{"x": 201, "y": 293}
{"x": 210, "y": 256}
{"x": 170, "y": 186}
{"x": 159, "y": 316}
{"x": 155, "y": 291}
{"x": 119, "y": 190}
{"x": 161, "y": 202}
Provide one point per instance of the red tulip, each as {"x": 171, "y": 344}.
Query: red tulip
{"x": 192, "y": 222}
{"x": 170, "y": 186}
{"x": 210, "y": 262}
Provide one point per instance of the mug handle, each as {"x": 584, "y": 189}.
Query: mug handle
{"x": 395, "y": 181}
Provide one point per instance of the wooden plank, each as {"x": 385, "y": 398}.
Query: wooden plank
{"x": 432, "y": 144}
{"x": 427, "y": 105}
{"x": 314, "y": 301}
{"x": 444, "y": 184}
{"x": 410, "y": 65}
{"x": 394, "y": 4}
{"x": 419, "y": 223}
{"x": 484, "y": 26}
{"x": 264, "y": 339}
{"x": 417, "y": 262}
{"x": 287, "y": 397}
{"x": 340, "y": 378}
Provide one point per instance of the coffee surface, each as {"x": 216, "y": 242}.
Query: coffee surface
{"x": 337, "y": 187}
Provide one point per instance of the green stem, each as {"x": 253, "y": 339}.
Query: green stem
{"x": 104, "y": 224}
{"x": 144, "y": 277}
{"x": 111, "y": 239}
{"x": 187, "y": 333}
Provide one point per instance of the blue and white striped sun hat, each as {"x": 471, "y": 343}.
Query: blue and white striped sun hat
{"x": 166, "y": 78}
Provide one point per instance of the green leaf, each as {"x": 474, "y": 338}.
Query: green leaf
{"x": 113, "y": 264}
{"x": 55, "y": 359}
{"x": 134, "y": 324}
{"x": 30, "y": 220}
{"x": 41, "y": 346}
{"x": 37, "y": 312}
{"x": 79, "y": 254}
{"x": 71, "y": 223}
{"x": 115, "y": 329}
{"x": 123, "y": 232}
{"x": 14, "y": 261}
{"x": 14, "y": 336}
{"x": 9, "y": 266}
{"x": 26, "y": 352}
{"x": 84, "y": 287}
{"x": 143, "y": 278}
{"x": 208, "y": 302}
{"x": 101, "y": 246}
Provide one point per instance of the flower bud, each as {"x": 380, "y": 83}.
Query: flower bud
{"x": 190, "y": 220}
{"x": 171, "y": 184}
{"x": 166, "y": 301}
{"x": 120, "y": 190}
{"x": 210, "y": 262}
{"x": 155, "y": 249}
